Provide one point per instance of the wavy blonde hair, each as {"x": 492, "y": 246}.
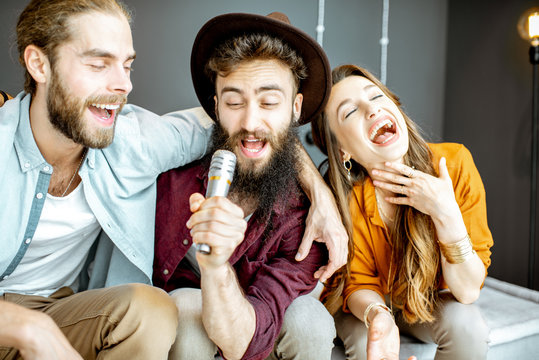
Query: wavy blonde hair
{"x": 413, "y": 281}
{"x": 46, "y": 24}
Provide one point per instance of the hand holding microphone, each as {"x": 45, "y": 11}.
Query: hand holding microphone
{"x": 223, "y": 163}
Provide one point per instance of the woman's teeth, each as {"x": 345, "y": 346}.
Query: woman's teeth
{"x": 381, "y": 124}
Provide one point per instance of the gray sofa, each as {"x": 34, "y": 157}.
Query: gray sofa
{"x": 511, "y": 312}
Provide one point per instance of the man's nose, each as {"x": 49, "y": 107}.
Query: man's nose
{"x": 120, "y": 80}
{"x": 251, "y": 118}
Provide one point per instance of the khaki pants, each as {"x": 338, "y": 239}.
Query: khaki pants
{"x": 459, "y": 331}
{"x": 133, "y": 321}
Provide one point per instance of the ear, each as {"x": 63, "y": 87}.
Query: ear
{"x": 216, "y": 106}
{"x": 298, "y": 102}
{"x": 37, "y": 63}
{"x": 344, "y": 155}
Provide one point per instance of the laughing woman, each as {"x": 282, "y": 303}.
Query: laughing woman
{"x": 417, "y": 215}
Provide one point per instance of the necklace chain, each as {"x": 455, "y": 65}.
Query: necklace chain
{"x": 381, "y": 209}
{"x": 76, "y": 171}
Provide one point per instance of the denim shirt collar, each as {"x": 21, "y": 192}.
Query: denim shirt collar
{"x": 27, "y": 151}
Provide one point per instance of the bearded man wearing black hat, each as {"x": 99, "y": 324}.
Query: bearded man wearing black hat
{"x": 258, "y": 77}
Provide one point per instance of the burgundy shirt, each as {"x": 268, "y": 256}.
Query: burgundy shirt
{"x": 264, "y": 262}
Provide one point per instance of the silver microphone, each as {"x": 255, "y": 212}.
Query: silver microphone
{"x": 220, "y": 177}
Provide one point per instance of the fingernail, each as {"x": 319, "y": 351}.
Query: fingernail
{"x": 298, "y": 256}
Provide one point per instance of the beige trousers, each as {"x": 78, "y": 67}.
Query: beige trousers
{"x": 133, "y": 321}
{"x": 459, "y": 331}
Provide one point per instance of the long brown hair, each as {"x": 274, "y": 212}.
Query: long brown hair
{"x": 414, "y": 272}
{"x": 45, "y": 24}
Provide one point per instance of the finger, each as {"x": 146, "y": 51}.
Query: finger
{"x": 397, "y": 189}
{"x": 391, "y": 177}
{"x": 394, "y": 188}
{"x": 195, "y": 200}
{"x": 320, "y": 272}
{"x": 405, "y": 170}
{"x": 216, "y": 209}
{"x": 227, "y": 229}
{"x": 325, "y": 274}
{"x": 217, "y": 241}
{"x": 444, "y": 174}
{"x": 222, "y": 203}
{"x": 305, "y": 246}
{"x": 400, "y": 200}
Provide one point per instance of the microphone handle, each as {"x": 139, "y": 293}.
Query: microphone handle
{"x": 215, "y": 188}
{"x": 219, "y": 179}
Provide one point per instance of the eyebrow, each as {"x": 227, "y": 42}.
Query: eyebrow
{"x": 269, "y": 87}
{"x": 367, "y": 87}
{"x": 98, "y": 53}
{"x": 261, "y": 89}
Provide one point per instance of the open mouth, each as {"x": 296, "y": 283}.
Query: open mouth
{"x": 382, "y": 132}
{"x": 253, "y": 147}
{"x": 104, "y": 112}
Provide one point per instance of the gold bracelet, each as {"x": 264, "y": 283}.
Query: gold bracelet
{"x": 458, "y": 252}
{"x": 369, "y": 308}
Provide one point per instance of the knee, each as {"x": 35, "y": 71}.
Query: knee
{"x": 353, "y": 334}
{"x": 192, "y": 341}
{"x": 153, "y": 308}
{"x": 307, "y": 320}
{"x": 463, "y": 327}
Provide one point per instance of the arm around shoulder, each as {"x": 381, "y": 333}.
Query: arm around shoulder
{"x": 174, "y": 139}
{"x": 324, "y": 223}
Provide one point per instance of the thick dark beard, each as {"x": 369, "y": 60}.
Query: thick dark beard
{"x": 66, "y": 114}
{"x": 265, "y": 184}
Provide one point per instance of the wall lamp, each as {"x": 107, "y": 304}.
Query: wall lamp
{"x": 528, "y": 28}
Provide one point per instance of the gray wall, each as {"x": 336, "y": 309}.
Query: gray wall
{"x": 488, "y": 108}
{"x": 457, "y": 60}
{"x": 164, "y": 30}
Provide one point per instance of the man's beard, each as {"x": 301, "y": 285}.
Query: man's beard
{"x": 263, "y": 184}
{"x": 66, "y": 114}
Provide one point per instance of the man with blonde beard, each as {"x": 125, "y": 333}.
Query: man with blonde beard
{"x": 77, "y": 181}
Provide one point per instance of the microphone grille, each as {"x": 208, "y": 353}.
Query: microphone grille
{"x": 223, "y": 163}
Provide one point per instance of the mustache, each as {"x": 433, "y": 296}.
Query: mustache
{"x": 107, "y": 99}
{"x": 233, "y": 139}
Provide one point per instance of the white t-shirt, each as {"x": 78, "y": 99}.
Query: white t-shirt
{"x": 64, "y": 235}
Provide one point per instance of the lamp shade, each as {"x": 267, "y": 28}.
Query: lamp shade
{"x": 528, "y": 26}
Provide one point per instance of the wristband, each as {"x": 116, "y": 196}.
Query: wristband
{"x": 370, "y": 307}
{"x": 458, "y": 252}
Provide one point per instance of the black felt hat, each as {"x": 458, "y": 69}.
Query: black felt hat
{"x": 315, "y": 88}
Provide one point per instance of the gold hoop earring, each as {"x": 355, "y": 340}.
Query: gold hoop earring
{"x": 347, "y": 166}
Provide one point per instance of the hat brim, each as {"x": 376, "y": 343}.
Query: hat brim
{"x": 315, "y": 88}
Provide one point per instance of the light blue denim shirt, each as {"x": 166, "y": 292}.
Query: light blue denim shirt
{"x": 119, "y": 185}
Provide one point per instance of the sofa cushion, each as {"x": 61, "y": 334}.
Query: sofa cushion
{"x": 510, "y": 311}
